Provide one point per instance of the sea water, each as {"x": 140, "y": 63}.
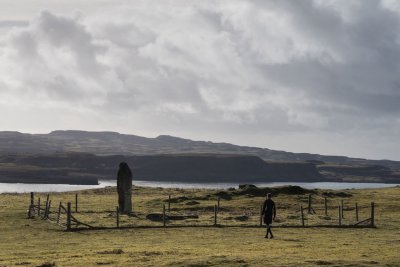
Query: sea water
{"x": 24, "y": 188}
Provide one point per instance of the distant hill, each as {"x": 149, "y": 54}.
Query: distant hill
{"x": 112, "y": 143}
{"x": 83, "y": 157}
{"x": 87, "y": 168}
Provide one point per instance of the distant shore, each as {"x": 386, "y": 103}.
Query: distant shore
{"x": 29, "y": 187}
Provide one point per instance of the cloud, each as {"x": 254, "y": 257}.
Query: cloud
{"x": 233, "y": 70}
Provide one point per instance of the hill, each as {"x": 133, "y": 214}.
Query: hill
{"x": 84, "y": 157}
{"x": 87, "y": 168}
{"x": 112, "y": 143}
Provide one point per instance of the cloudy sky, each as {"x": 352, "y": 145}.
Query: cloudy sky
{"x": 320, "y": 76}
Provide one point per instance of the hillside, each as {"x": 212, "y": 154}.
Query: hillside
{"x": 87, "y": 168}
{"x": 80, "y": 157}
{"x": 112, "y": 143}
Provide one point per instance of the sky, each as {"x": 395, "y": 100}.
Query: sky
{"x": 316, "y": 76}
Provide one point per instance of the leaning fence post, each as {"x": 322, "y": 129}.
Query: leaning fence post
{"x": 48, "y": 209}
{"x": 309, "y": 203}
{"x": 163, "y": 217}
{"x": 68, "y": 216}
{"x": 59, "y": 213}
{"x": 326, "y": 206}
{"x": 76, "y": 202}
{"x": 340, "y": 215}
{"x": 356, "y": 212}
{"x": 117, "y": 209}
{"x": 215, "y": 215}
{"x": 302, "y": 216}
{"x": 261, "y": 215}
{"x": 372, "y": 214}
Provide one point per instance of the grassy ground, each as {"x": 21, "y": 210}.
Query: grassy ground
{"x": 34, "y": 242}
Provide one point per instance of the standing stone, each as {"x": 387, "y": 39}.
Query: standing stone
{"x": 124, "y": 188}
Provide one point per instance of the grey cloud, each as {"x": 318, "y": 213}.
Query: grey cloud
{"x": 13, "y": 23}
{"x": 63, "y": 32}
{"x": 246, "y": 68}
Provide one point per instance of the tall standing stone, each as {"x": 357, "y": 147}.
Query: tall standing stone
{"x": 124, "y": 188}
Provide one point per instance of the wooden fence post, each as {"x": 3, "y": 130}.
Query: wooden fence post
{"x": 47, "y": 203}
{"x": 218, "y": 201}
{"x": 163, "y": 217}
{"x": 356, "y": 212}
{"x": 48, "y": 210}
{"x": 169, "y": 203}
{"x": 372, "y": 214}
{"x": 76, "y": 202}
{"x": 309, "y": 203}
{"x": 261, "y": 215}
{"x": 342, "y": 210}
{"x": 59, "y": 213}
{"x": 32, "y": 198}
{"x": 302, "y": 216}
{"x": 326, "y": 206}
{"x": 340, "y": 215}
{"x": 117, "y": 209}
{"x": 215, "y": 215}
{"x": 38, "y": 213}
{"x": 69, "y": 216}
{"x": 31, "y": 206}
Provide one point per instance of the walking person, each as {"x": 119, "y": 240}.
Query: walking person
{"x": 269, "y": 212}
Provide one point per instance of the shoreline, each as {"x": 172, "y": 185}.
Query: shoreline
{"x": 41, "y": 188}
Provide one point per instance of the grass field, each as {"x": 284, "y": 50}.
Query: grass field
{"x": 36, "y": 242}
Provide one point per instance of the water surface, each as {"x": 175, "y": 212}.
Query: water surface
{"x": 24, "y": 188}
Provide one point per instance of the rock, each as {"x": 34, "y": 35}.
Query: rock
{"x": 242, "y": 218}
{"x": 155, "y": 217}
{"x": 244, "y": 186}
{"x": 193, "y": 202}
{"x": 224, "y": 195}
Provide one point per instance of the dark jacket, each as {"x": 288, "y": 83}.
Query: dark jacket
{"x": 269, "y": 209}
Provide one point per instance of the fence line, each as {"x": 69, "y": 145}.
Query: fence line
{"x": 64, "y": 217}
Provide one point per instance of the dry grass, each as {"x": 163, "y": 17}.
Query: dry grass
{"x": 34, "y": 242}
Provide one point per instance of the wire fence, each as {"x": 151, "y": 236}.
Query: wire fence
{"x": 89, "y": 211}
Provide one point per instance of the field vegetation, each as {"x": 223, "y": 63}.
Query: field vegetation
{"x": 190, "y": 239}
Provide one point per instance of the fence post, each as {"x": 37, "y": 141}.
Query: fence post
{"x": 326, "y": 206}
{"x": 30, "y": 206}
{"x": 48, "y": 209}
{"x": 169, "y": 203}
{"x": 76, "y": 202}
{"x": 32, "y": 198}
{"x": 356, "y": 212}
{"x": 117, "y": 209}
{"x": 302, "y": 216}
{"x": 342, "y": 210}
{"x": 309, "y": 203}
{"x": 340, "y": 215}
{"x": 261, "y": 215}
{"x": 218, "y": 200}
{"x": 372, "y": 214}
{"x": 38, "y": 213}
{"x": 59, "y": 213}
{"x": 68, "y": 216}
{"x": 47, "y": 203}
{"x": 163, "y": 217}
{"x": 215, "y": 215}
